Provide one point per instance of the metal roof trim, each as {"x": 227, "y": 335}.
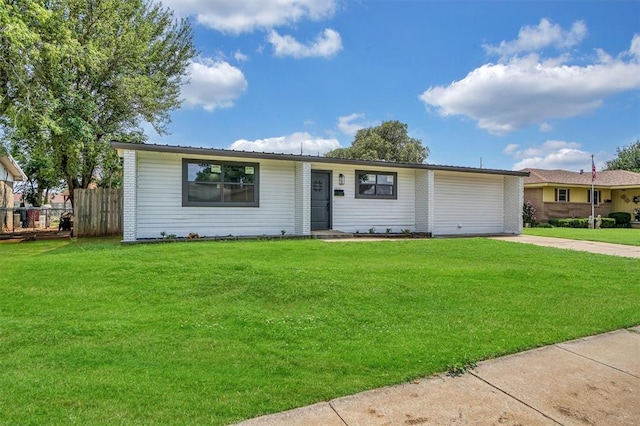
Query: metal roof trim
{"x": 178, "y": 149}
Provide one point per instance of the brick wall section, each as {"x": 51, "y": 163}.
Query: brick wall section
{"x": 431, "y": 191}
{"x": 535, "y": 196}
{"x": 552, "y": 210}
{"x": 564, "y": 210}
{"x": 513, "y": 201}
{"x": 6, "y": 202}
{"x": 422, "y": 200}
{"x": 130, "y": 196}
{"x": 303, "y": 199}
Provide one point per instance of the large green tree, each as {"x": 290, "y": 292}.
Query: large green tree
{"x": 627, "y": 158}
{"x": 96, "y": 70}
{"x": 21, "y": 23}
{"x": 389, "y": 141}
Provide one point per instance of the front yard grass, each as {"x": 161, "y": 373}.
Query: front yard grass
{"x": 94, "y": 332}
{"x": 626, "y": 236}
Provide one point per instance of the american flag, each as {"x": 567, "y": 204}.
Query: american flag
{"x": 593, "y": 170}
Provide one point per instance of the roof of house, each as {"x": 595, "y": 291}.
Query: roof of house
{"x": 13, "y": 167}
{"x": 305, "y": 158}
{"x": 610, "y": 178}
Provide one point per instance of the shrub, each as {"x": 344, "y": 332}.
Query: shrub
{"x": 544, "y": 225}
{"x": 581, "y": 222}
{"x": 607, "y": 222}
{"x": 622, "y": 219}
{"x": 529, "y": 213}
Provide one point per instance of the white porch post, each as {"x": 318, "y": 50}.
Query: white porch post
{"x": 303, "y": 199}
{"x": 130, "y": 196}
{"x": 424, "y": 201}
{"x": 513, "y": 202}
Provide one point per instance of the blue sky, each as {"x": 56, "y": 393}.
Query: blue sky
{"x": 510, "y": 83}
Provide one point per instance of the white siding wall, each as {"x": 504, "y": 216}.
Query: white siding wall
{"x": 440, "y": 202}
{"x": 352, "y": 214}
{"x": 160, "y": 201}
{"x": 468, "y": 203}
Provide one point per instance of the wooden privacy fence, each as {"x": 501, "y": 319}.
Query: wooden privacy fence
{"x": 97, "y": 212}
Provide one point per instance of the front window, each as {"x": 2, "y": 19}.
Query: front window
{"x": 376, "y": 184}
{"x": 562, "y": 195}
{"x": 597, "y": 197}
{"x": 219, "y": 183}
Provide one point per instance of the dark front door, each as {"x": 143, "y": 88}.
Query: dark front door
{"x": 320, "y": 200}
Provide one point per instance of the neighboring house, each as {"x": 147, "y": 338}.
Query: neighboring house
{"x": 214, "y": 192}
{"x": 56, "y": 201}
{"x": 10, "y": 172}
{"x": 559, "y": 194}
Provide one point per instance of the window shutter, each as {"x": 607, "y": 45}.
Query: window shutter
{"x": 568, "y": 195}
{"x": 556, "y": 192}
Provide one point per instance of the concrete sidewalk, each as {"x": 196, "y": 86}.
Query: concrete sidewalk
{"x": 590, "y": 246}
{"x": 590, "y": 381}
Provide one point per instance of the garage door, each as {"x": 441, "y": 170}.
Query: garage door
{"x": 468, "y": 203}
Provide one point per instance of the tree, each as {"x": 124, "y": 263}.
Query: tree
{"x": 20, "y": 21}
{"x": 628, "y": 158}
{"x": 388, "y": 142}
{"x": 102, "y": 69}
{"x": 40, "y": 169}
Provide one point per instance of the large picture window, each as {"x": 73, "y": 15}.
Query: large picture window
{"x": 376, "y": 184}
{"x": 219, "y": 183}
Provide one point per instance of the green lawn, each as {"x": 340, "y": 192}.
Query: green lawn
{"x": 94, "y": 332}
{"x": 626, "y": 236}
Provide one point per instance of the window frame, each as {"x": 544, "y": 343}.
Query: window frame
{"x": 221, "y": 203}
{"x": 376, "y": 196}
{"x": 566, "y": 200}
{"x": 598, "y": 197}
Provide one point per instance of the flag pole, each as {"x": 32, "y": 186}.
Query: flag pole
{"x": 593, "y": 182}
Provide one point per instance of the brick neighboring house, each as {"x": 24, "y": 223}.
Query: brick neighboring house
{"x": 10, "y": 172}
{"x": 559, "y": 194}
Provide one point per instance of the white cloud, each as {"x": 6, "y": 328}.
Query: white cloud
{"x": 545, "y": 34}
{"x": 214, "y": 84}
{"x": 239, "y": 16}
{"x": 240, "y": 57}
{"x": 545, "y": 127}
{"x": 634, "y": 50}
{"x": 346, "y": 123}
{"x": 325, "y": 45}
{"x": 528, "y": 90}
{"x": 290, "y": 144}
{"x": 550, "y": 155}
{"x": 509, "y": 149}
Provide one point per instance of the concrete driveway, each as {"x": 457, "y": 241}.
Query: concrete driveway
{"x": 589, "y": 246}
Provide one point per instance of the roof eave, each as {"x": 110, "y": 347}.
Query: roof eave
{"x": 13, "y": 167}
{"x": 121, "y": 147}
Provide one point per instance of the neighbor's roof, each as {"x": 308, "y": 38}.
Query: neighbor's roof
{"x": 565, "y": 177}
{"x": 306, "y": 158}
{"x": 13, "y": 167}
